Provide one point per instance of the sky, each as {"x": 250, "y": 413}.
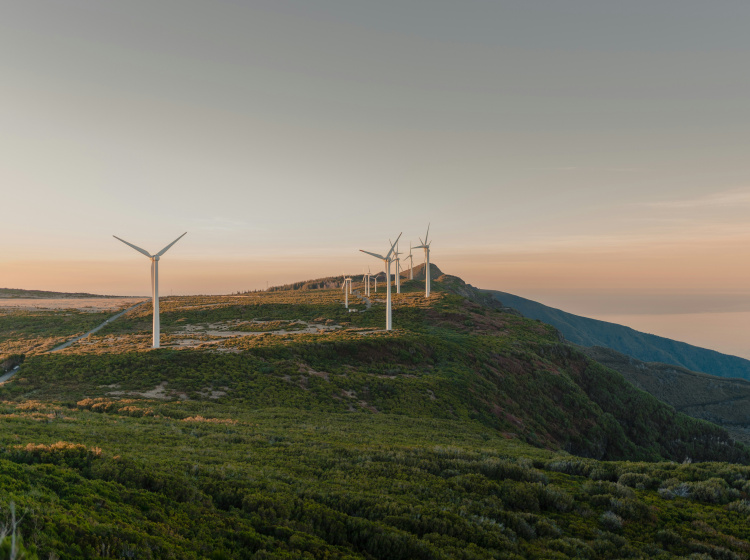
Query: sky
{"x": 591, "y": 155}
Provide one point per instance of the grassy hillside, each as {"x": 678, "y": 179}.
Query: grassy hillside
{"x": 30, "y": 332}
{"x": 280, "y": 425}
{"x": 642, "y": 346}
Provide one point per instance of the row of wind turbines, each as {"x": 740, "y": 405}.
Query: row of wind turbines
{"x": 393, "y": 255}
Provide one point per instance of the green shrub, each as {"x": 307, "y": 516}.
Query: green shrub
{"x": 611, "y": 521}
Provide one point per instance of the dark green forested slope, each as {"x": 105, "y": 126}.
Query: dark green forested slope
{"x": 643, "y": 346}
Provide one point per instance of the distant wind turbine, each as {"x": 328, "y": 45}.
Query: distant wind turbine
{"x": 346, "y": 292}
{"x": 388, "y": 259}
{"x": 366, "y": 282}
{"x": 410, "y": 258}
{"x": 426, "y": 246}
{"x": 154, "y": 282}
{"x": 398, "y": 269}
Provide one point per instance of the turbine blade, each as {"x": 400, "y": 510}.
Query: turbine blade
{"x": 392, "y": 246}
{"x": 381, "y": 257}
{"x": 160, "y": 253}
{"x": 134, "y": 247}
{"x": 427, "y": 234}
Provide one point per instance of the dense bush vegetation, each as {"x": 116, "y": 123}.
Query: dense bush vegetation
{"x": 450, "y": 437}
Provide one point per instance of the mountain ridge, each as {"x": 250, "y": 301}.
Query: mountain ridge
{"x": 646, "y": 347}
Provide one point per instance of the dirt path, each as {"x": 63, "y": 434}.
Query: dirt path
{"x": 367, "y": 301}
{"x": 12, "y": 372}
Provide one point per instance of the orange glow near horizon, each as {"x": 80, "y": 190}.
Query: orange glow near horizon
{"x": 674, "y": 268}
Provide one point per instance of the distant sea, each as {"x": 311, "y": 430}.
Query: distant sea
{"x": 726, "y": 332}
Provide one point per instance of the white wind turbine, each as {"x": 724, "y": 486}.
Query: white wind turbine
{"x": 346, "y": 292}
{"x": 426, "y": 246}
{"x": 154, "y": 282}
{"x": 366, "y": 282}
{"x": 387, "y": 260}
{"x": 398, "y": 268}
{"x": 411, "y": 263}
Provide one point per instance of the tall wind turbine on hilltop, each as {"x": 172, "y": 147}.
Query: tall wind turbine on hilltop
{"x": 154, "y": 282}
{"x": 426, "y": 246}
{"x": 388, "y": 259}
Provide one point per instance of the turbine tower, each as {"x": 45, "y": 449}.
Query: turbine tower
{"x": 398, "y": 269}
{"x": 154, "y": 282}
{"x": 388, "y": 259}
{"x": 411, "y": 263}
{"x": 366, "y": 282}
{"x": 426, "y": 246}
{"x": 346, "y": 293}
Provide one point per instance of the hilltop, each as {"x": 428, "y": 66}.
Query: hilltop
{"x": 280, "y": 425}
{"x": 642, "y": 346}
{"x": 331, "y": 282}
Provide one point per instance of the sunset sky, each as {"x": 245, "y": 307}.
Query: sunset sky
{"x": 591, "y": 155}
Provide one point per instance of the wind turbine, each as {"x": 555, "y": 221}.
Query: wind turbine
{"x": 411, "y": 263}
{"x": 370, "y": 276}
{"x": 387, "y": 260}
{"x": 346, "y": 293}
{"x": 366, "y": 282}
{"x": 154, "y": 282}
{"x": 426, "y": 246}
{"x": 398, "y": 269}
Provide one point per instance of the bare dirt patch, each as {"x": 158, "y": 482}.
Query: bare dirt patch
{"x": 159, "y": 392}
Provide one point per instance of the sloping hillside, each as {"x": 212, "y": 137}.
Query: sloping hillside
{"x": 279, "y": 425}
{"x": 717, "y": 399}
{"x": 642, "y": 346}
{"x": 461, "y": 355}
